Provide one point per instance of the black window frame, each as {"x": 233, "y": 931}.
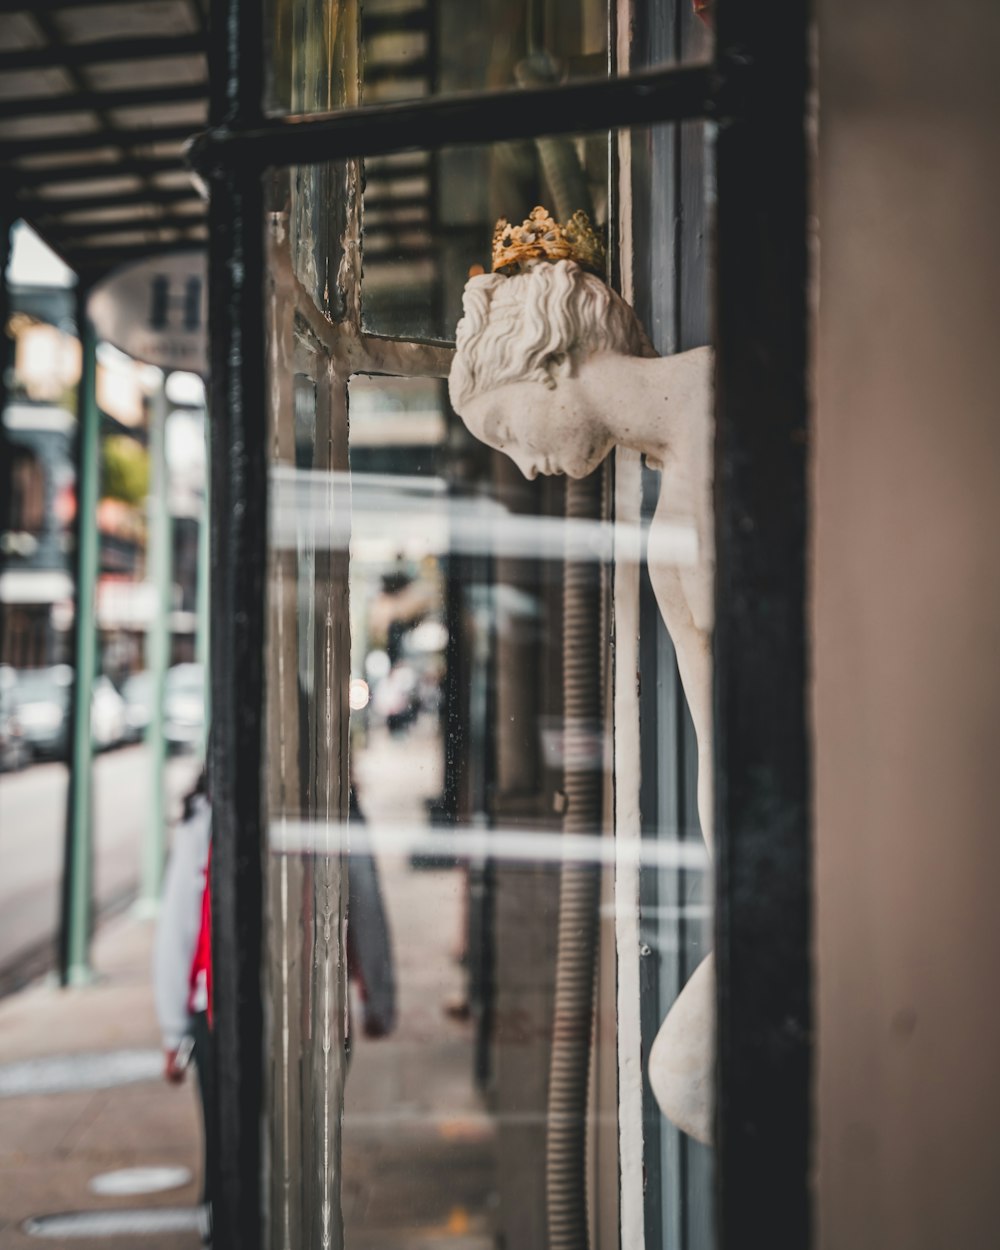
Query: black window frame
{"x": 757, "y": 91}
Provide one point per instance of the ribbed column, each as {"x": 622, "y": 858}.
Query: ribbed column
{"x": 578, "y": 896}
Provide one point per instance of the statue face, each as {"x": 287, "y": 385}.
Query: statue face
{"x": 542, "y": 430}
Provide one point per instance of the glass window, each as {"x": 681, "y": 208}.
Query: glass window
{"x": 469, "y": 865}
{"x": 418, "y": 48}
{"x": 490, "y": 610}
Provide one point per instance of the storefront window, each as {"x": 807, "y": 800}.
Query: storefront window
{"x": 456, "y": 896}
{"x": 490, "y": 789}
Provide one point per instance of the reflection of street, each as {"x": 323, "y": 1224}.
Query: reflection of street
{"x": 418, "y": 1145}
{"x": 32, "y": 823}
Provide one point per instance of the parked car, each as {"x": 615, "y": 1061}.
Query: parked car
{"x": 184, "y": 707}
{"x": 14, "y": 749}
{"x": 107, "y": 716}
{"x": 41, "y": 700}
{"x": 42, "y": 705}
{"x": 137, "y": 692}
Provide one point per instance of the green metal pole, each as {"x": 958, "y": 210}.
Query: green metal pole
{"x": 161, "y": 575}
{"x": 77, "y": 916}
{"x": 203, "y": 636}
{"x": 5, "y": 354}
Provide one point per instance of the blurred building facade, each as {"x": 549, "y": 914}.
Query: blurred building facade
{"x": 36, "y": 583}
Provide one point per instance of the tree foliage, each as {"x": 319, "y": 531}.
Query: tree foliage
{"x": 125, "y": 469}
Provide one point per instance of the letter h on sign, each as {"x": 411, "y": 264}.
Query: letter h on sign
{"x": 163, "y": 303}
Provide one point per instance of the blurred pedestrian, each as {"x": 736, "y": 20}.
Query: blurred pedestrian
{"x": 182, "y": 970}
{"x": 369, "y": 949}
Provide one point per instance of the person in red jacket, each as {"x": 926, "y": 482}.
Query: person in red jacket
{"x": 182, "y": 966}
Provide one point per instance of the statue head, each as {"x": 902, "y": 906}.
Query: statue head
{"x": 518, "y": 379}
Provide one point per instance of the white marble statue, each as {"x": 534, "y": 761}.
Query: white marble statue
{"x": 553, "y": 368}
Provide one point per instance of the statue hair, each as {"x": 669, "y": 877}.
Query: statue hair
{"x": 520, "y": 328}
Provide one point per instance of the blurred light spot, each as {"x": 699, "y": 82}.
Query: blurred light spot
{"x": 377, "y": 665}
{"x": 358, "y": 694}
{"x": 187, "y": 390}
{"x": 458, "y": 1222}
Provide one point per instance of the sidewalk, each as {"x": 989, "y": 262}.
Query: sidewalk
{"x": 52, "y": 1144}
{"x": 419, "y": 1143}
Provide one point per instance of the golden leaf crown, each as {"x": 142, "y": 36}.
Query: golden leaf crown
{"x": 541, "y": 237}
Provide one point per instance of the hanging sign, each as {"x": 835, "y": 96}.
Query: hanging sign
{"x": 155, "y": 311}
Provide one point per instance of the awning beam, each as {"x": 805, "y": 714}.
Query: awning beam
{"x": 89, "y": 101}
{"x": 100, "y": 52}
{"x": 89, "y": 140}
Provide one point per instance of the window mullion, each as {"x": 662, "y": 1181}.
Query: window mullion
{"x": 683, "y": 93}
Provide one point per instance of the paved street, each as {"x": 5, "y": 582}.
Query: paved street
{"x": 32, "y": 823}
{"x": 62, "y": 1125}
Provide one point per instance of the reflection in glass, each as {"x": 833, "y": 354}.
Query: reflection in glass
{"x": 428, "y": 219}
{"x": 419, "y": 736}
{"x": 313, "y": 61}
{"x": 419, "y": 1146}
{"x": 394, "y": 50}
{"x": 314, "y": 68}
{"x": 425, "y": 214}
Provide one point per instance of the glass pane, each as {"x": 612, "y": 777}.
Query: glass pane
{"x": 398, "y": 237}
{"x": 427, "y": 221}
{"x": 314, "y": 68}
{"x": 490, "y": 903}
{"x": 323, "y": 56}
{"x": 418, "y": 1143}
{"x": 312, "y": 61}
{"x": 421, "y": 216}
{"x": 665, "y": 32}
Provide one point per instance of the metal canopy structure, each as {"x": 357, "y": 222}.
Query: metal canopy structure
{"x": 97, "y": 100}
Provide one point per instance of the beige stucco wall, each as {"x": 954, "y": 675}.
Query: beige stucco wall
{"x": 906, "y": 602}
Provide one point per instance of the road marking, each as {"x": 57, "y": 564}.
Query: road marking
{"x": 63, "y": 1074}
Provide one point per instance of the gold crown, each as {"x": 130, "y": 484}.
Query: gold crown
{"x": 540, "y": 237}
